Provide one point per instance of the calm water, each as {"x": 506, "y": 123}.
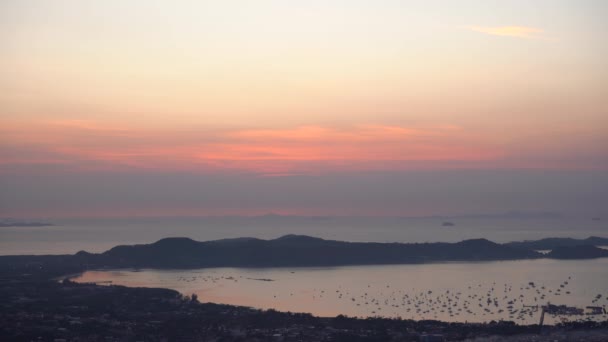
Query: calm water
{"x": 70, "y": 236}
{"x": 446, "y": 291}
{"x": 458, "y": 291}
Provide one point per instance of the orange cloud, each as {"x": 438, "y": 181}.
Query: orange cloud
{"x": 510, "y": 31}
{"x": 305, "y": 149}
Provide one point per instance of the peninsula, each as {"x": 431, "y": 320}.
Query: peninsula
{"x": 286, "y": 251}
{"x": 35, "y": 305}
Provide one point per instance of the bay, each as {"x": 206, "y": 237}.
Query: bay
{"x": 459, "y": 292}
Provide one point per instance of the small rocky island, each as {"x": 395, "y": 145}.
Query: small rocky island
{"x": 9, "y": 222}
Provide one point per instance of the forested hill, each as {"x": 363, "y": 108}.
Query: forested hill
{"x": 298, "y": 250}
{"x": 552, "y": 243}
{"x": 286, "y": 251}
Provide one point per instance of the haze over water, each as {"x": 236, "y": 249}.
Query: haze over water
{"x": 339, "y": 108}
{"x": 69, "y": 236}
{"x": 399, "y": 121}
{"x": 390, "y": 291}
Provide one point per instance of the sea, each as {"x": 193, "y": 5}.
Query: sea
{"x": 449, "y": 291}
{"x": 68, "y": 236}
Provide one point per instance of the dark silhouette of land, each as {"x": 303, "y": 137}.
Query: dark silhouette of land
{"x": 19, "y": 223}
{"x": 56, "y": 311}
{"x": 289, "y": 251}
{"x": 299, "y": 250}
{"x": 35, "y": 305}
{"x": 552, "y": 243}
{"x": 577, "y": 252}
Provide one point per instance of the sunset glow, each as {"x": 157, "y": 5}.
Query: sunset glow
{"x": 275, "y": 89}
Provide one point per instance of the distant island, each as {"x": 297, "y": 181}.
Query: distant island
{"x": 295, "y": 251}
{"x": 31, "y": 290}
{"x": 508, "y": 215}
{"x": 8, "y": 222}
{"x": 298, "y": 250}
{"x": 552, "y": 243}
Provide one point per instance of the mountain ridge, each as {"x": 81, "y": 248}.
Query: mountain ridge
{"x": 285, "y": 251}
{"x": 552, "y": 243}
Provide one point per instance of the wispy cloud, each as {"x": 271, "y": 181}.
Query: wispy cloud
{"x": 511, "y": 31}
{"x": 299, "y": 149}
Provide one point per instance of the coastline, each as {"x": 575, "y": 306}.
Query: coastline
{"x": 118, "y": 312}
{"x": 32, "y": 284}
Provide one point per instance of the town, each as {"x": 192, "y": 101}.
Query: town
{"x": 67, "y": 311}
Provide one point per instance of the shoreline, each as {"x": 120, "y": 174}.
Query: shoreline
{"x": 83, "y": 310}
{"x": 37, "y": 301}
{"x": 232, "y": 286}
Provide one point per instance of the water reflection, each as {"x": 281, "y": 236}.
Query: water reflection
{"x": 474, "y": 292}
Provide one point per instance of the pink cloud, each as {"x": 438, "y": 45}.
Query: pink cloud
{"x": 305, "y": 149}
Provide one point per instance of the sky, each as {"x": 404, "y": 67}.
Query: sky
{"x": 407, "y": 108}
